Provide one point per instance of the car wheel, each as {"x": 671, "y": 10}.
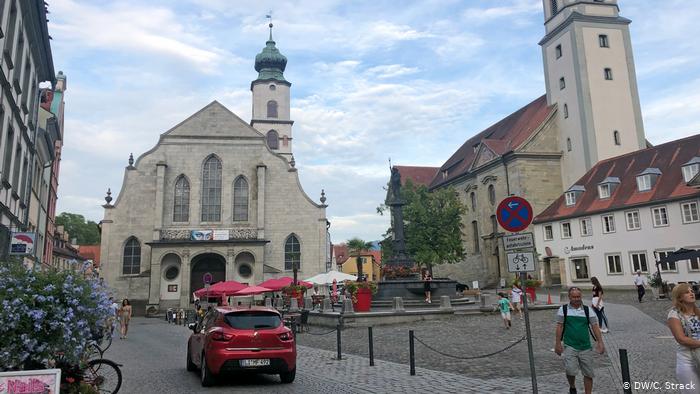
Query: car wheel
{"x": 205, "y": 374}
{"x": 288, "y": 377}
{"x": 190, "y": 365}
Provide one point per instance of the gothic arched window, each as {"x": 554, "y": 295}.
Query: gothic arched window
{"x": 240, "y": 199}
{"x": 292, "y": 253}
{"x": 272, "y": 109}
{"x": 555, "y": 8}
{"x": 472, "y": 196}
{"x": 475, "y": 231}
{"x": 568, "y": 144}
{"x": 273, "y": 139}
{"x": 181, "y": 201}
{"x": 616, "y": 137}
{"x": 131, "y": 264}
{"x": 211, "y": 190}
{"x": 492, "y": 194}
{"x": 566, "y": 111}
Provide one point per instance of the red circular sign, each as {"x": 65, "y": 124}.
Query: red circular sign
{"x": 207, "y": 278}
{"x": 514, "y": 214}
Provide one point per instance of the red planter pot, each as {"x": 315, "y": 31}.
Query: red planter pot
{"x": 298, "y": 295}
{"x": 530, "y": 291}
{"x": 364, "y": 300}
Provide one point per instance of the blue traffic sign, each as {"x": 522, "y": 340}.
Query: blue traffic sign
{"x": 514, "y": 214}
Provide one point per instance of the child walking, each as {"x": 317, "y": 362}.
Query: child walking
{"x": 505, "y": 307}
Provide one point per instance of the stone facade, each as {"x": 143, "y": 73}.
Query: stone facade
{"x": 156, "y": 251}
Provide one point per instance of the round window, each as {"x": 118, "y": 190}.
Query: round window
{"x": 244, "y": 270}
{"x": 172, "y": 273}
{"x": 273, "y": 87}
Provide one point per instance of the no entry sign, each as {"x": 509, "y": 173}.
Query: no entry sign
{"x": 514, "y": 214}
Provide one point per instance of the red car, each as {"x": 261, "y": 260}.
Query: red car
{"x": 231, "y": 339}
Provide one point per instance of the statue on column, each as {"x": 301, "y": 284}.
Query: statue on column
{"x": 396, "y": 203}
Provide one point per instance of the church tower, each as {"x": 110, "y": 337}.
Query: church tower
{"x": 590, "y": 75}
{"x": 271, "y": 99}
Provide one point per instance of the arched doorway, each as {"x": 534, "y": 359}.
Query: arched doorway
{"x": 212, "y": 263}
{"x": 170, "y": 282}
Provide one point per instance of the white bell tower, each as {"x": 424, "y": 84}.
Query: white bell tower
{"x": 590, "y": 75}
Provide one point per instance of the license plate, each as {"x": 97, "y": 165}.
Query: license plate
{"x": 258, "y": 362}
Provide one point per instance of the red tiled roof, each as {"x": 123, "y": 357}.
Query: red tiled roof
{"x": 341, "y": 253}
{"x": 668, "y": 158}
{"x": 502, "y": 137}
{"x": 90, "y": 252}
{"x": 417, "y": 175}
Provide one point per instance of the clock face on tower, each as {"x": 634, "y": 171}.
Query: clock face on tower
{"x": 273, "y": 87}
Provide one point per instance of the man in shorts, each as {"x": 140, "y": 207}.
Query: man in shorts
{"x": 573, "y": 330}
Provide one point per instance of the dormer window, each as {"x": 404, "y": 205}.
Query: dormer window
{"x": 572, "y": 195}
{"x": 647, "y": 178}
{"x": 691, "y": 168}
{"x": 607, "y": 187}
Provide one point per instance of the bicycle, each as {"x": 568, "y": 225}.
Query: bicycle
{"x": 103, "y": 375}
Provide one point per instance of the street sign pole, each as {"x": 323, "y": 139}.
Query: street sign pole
{"x": 531, "y": 356}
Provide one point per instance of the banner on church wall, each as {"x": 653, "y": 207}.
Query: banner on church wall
{"x": 220, "y": 235}
{"x": 202, "y": 235}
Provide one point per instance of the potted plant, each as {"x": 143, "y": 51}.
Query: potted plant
{"x": 531, "y": 286}
{"x": 295, "y": 291}
{"x": 361, "y": 294}
{"x": 658, "y": 286}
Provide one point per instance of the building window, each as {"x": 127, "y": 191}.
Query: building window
{"x": 557, "y": 51}
{"x": 580, "y": 268}
{"x": 562, "y": 83}
{"x": 240, "y": 199}
{"x": 614, "y": 264}
{"x": 690, "y": 212}
{"x": 272, "y": 109}
{"x": 604, "y": 191}
{"x": 660, "y": 216}
{"x": 132, "y": 257}
{"x": 608, "y": 224}
{"x": 668, "y": 266}
{"x": 644, "y": 183}
{"x": 548, "y": 233}
{"x": 608, "y": 74}
{"x": 211, "y": 190}
{"x": 603, "y": 41}
{"x": 689, "y": 171}
{"x": 566, "y": 230}
{"x": 492, "y": 194}
{"x": 586, "y": 227}
{"x": 273, "y": 139}
{"x": 568, "y": 144}
{"x": 639, "y": 261}
{"x": 475, "y": 230}
{"x": 472, "y": 197}
{"x": 181, "y": 205}
{"x": 566, "y": 111}
{"x": 555, "y": 8}
{"x": 292, "y": 253}
{"x": 570, "y": 198}
{"x": 616, "y": 137}
{"x": 633, "y": 220}
{"x": 494, "y": 225}
{"x": 694, "y": 264}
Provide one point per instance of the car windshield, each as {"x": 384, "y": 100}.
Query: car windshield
{"x": 253, "y": 320}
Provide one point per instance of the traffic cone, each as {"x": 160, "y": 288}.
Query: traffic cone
{"x": 549, "y": 298}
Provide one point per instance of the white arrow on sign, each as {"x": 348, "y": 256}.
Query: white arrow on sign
{"x": 513, "y": 204}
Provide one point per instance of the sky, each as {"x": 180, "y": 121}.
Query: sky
{"x": 371, "y": 80}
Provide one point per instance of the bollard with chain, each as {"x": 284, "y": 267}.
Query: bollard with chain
{"x": 625, "y": 368}
{"x": 337, "y": 336}
{"x": 371, "y": 346}
{"x": 411, "y": 353}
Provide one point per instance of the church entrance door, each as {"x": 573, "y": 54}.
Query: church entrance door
{"x": 211, "y": 263}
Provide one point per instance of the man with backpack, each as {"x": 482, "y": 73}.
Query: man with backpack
{"x": 576, "y": 323}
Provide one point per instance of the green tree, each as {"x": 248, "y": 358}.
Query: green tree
{"x": 355, "y": 248}
{"x": 432, "y": 225}
{"x": 86, "y": 232}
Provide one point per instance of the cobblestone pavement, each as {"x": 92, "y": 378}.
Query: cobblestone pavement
{"x": 656, "y": 309}
{"x": 651, "y": 349}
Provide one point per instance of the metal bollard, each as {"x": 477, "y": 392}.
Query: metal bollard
{"x": 411, "y": 353}
{"x": 371, "y": 347}
{"x": 337, "y": 336}
{"x": 625, "y": 368}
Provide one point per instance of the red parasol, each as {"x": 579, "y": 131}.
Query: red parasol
{"x": 220, "y": 289}
{"x": 278, "y": 283}
{"x": 251, "y": 290}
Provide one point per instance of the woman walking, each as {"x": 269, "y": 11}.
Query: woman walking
{"x": 684, "y": 322}
{"x": 517, "y": 297}
{"x": 125, "y": 316}
{"x": 426, "y": 286}
{"x": 597, "y": 304}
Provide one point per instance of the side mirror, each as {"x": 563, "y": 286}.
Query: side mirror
{"x": 192, "y": 326}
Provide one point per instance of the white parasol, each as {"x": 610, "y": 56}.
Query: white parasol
{"x": 330, "y": 276}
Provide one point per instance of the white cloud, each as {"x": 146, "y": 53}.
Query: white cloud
{"x": 391, "y": 71}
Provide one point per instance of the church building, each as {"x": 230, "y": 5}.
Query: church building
{"x": 215, "y": 199}
{"x": 590, "y": 112}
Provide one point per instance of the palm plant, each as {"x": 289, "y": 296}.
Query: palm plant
{"x": 355, "y": 248}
